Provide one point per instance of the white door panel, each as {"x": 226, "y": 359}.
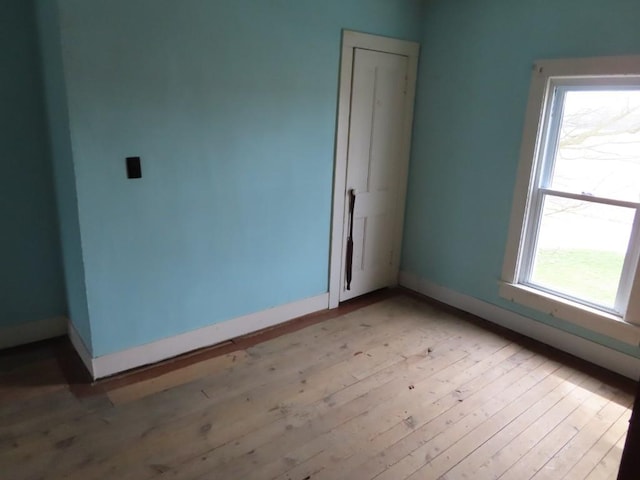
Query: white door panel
{"x": 374, "y": 156}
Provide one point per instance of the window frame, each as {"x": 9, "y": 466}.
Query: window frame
{"x": 547, "y": 76}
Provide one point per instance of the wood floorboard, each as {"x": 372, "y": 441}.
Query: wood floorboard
{"x": 599, "y": 450}
{"x": 559, "y": 464}
{"x": 390, "y": 386}
{"x": 333, "y": 407}
{"x": 502, "y": 429}
{"x": 391, "y": 421}
{"x": 350, "y": 407}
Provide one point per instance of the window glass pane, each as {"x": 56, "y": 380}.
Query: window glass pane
{"x": 581, "y": 248}
{"x": 599, "y": 144}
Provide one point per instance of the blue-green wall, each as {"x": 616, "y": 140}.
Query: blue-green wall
{"x": 64, "y": 171}
{"x": 472, "y": 94}
{"x": 232, "y": 107}
{"x": 31, "y": 282}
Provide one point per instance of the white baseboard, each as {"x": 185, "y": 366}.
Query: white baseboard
{"x": 32, "y": 331}
{"x": 113, "y": 363}
{"x": 580, "y": 347}
{"x": 81, "y": 348}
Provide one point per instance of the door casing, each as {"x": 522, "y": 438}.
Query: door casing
{"x": 350, "y": 41}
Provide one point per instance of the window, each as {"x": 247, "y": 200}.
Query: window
{"x": 574, "y": 240}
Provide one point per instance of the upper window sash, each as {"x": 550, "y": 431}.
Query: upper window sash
{"x": 549, "y": 135}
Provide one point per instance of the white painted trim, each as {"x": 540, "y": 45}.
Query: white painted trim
{"x": 624, "y": 65}
{"x": 340, "y": 174}
{"x": 535, "y": 112}
{"x": 350, "y": 41}
{"x": 576, "y": 313}
{"x": 401, "y": 201}
{"x": 81, "y": 348}
{"x": 35, "y": 331}
{"x": 592, "y": 352}
{"x": 113, "y": 363}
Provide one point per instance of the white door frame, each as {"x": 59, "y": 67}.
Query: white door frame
{"x": 350, "y": 41}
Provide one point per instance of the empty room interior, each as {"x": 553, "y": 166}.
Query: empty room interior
{"x": 304, "y": 239}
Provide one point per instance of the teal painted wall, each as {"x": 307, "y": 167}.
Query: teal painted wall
{"x": 31, "y": 282}
{"x": 232, "y": 107}
{"x": 64, "y": 172}
{"x": 472, "y": 93}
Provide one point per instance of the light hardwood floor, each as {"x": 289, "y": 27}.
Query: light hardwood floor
{"x": 398, "y": 389}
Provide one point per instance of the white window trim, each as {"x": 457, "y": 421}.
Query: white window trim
{"x": 625, "y": 329}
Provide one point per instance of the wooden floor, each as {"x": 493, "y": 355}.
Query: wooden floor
{"x": 397, "y": 389}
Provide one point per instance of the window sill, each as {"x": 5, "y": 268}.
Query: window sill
{"x": 583, "y": 316}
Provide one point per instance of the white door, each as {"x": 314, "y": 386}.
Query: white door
{"x": 376, "y": 172}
